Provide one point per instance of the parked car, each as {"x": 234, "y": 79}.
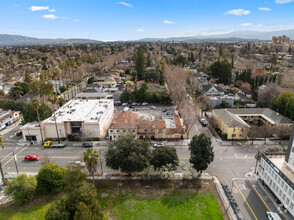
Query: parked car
{"x": 19, "y": 133}
{"x": 144, "y": 103}
{"x": 203, "y": 122}
{"x": 159, "y": 144}
{"x": 49, "y": 144}
{"x": 77, "y": 162}
{"x": 130, "y": 106}
{"x": 153, "y": 107}
{"x": 165, "y": 110}
{"x": 87, "y": 145}
{"x": 125, "y": 103}
{"x": 32, "y": 157}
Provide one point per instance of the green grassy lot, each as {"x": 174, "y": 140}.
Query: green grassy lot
{"x": 176, "y": 205}
{"x": 137, "y": 203}
{"x": 35, "y": 212}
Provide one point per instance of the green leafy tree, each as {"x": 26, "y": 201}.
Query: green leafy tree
{"x": 128, "y": 155}
{"x": 163, "y": 156}
{"x": 30, "y": 114}
{"x": 74, "y": 178}
{"x": 284, "y": 104}
{"x": 84, "y": 212}
{"x": 2, "y": 92}
{"x": 222, "y": 71}
{"x": 50, "y": 179}
{"x": 201, "y": 152}
{"x": 91, "y": 158}
{"x": 58, "y": 210}
{"x": 91, "y": 80}
{"x": 16, "y": 92}
{"x": 140, "y": 63}
{"x": 22, "y": 189}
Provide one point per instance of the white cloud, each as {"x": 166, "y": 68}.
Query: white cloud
{"x": 246, "y": 24}
{"x": 283, "y": 1}
{"x": 238, "y": 12}
{"x": 38, "y": 8}
{"x": 265, "y": 9}
{"x": 52, "y": 10}
{"x": 168, "y": 22}
{"x": 51, "y": 16}
{"x": 76, "y": 20}
{"x": 125, "y": 4}
{"x": 140, "y": 30}
{"x": 260, "y": 25}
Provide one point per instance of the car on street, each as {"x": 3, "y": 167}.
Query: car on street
{"x": 19, "y": 133}
{"x": 77, "y": 162}
{"x": 159, "y": 144}
{"x": 49, "y": 144}
{"x": 273, "y": 216}
{"x": 144, "y": 103}
{"x": 165, "y": 110}
{"x": 32, "y": 157}
{"x": 124, "y": 104}
{"x": 203, "y": 122}
{"x": 153, "y": 107}
{"x": 87, "y": 145}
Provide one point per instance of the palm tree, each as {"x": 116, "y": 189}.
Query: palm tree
{"x": 91, "y": 159}
{"x": 54, "y": 99}
{"x": 36, "y": 105}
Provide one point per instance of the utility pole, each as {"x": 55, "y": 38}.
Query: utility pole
{"x": 101, "y": 161}
{"x": 14, "y": 157}
{"x": 2, "y": 174}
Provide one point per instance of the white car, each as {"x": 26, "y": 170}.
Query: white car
{"x": 153, "y": 107}
{"x": 124, "y": 103}
{"x": 77, "y": 162}
{"x": 144, "y": 103}
{"x": 156, "y": 145}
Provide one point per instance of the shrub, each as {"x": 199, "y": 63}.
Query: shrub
{"x": 22, "y": 189}
{"x": 50, "y": 179}
{"x": 58, "y": 210}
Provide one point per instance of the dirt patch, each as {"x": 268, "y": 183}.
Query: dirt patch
{"x": 37, "y": 200}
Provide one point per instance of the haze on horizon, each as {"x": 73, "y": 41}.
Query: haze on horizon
{"x": 110, "y": 20}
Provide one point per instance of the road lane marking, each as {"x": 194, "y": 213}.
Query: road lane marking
{"x": 245, "y": 199}
{"x": 196, "y": 129}
{"x": 15, "y": 155}
{"x": 259, "y": 196}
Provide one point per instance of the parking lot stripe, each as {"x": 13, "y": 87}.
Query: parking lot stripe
{"x": 245, "y": 200}
{"x": 259, "y": 196}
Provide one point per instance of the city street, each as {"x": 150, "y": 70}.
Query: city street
{"x": 232, "y": 164}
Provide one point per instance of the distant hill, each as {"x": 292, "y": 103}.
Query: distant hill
{"x": 229, "y": 37}
{"x": 236, "y": 36}
{"x": 18, "y": 40}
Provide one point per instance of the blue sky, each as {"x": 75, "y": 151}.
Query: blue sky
{"x": 135, "y": 19}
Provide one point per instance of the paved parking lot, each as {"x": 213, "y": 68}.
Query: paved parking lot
{"x": 157, "y": 112}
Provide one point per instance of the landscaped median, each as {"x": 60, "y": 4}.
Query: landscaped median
{"x": 129, "y": 199}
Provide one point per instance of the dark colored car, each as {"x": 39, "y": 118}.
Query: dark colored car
{"x": 32, "y": 157}
{"x": 87, "y": 145}
{"x": 19, "y": 133}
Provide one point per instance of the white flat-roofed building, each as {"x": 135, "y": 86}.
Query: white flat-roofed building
{"x": 84, "y": 118}
{"x": 276, "y": 171}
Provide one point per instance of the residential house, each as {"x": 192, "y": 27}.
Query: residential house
{"x": 7, "y": 118}
{"x": 108, "y": 83}
{"x": 212, "y": 90}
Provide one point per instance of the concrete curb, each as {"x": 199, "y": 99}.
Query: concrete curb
{"x": 224, "y": 199}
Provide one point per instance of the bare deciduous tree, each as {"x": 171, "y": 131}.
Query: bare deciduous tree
{"x": 44, "y": 160}
{"x": 270, "y": 92}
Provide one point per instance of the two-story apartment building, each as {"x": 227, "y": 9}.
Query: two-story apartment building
{"x": 236, "y": 122}
{"x": 108, "y": 83}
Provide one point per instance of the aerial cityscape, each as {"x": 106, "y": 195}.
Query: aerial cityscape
{"x": 146, "y": 110}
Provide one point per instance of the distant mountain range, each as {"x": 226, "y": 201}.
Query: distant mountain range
{"x": 18, "y": 40}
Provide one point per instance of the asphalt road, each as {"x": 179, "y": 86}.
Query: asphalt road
{"x": 230, "y": 162}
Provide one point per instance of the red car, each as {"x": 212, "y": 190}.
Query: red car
{"x": 33, "y": 157}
